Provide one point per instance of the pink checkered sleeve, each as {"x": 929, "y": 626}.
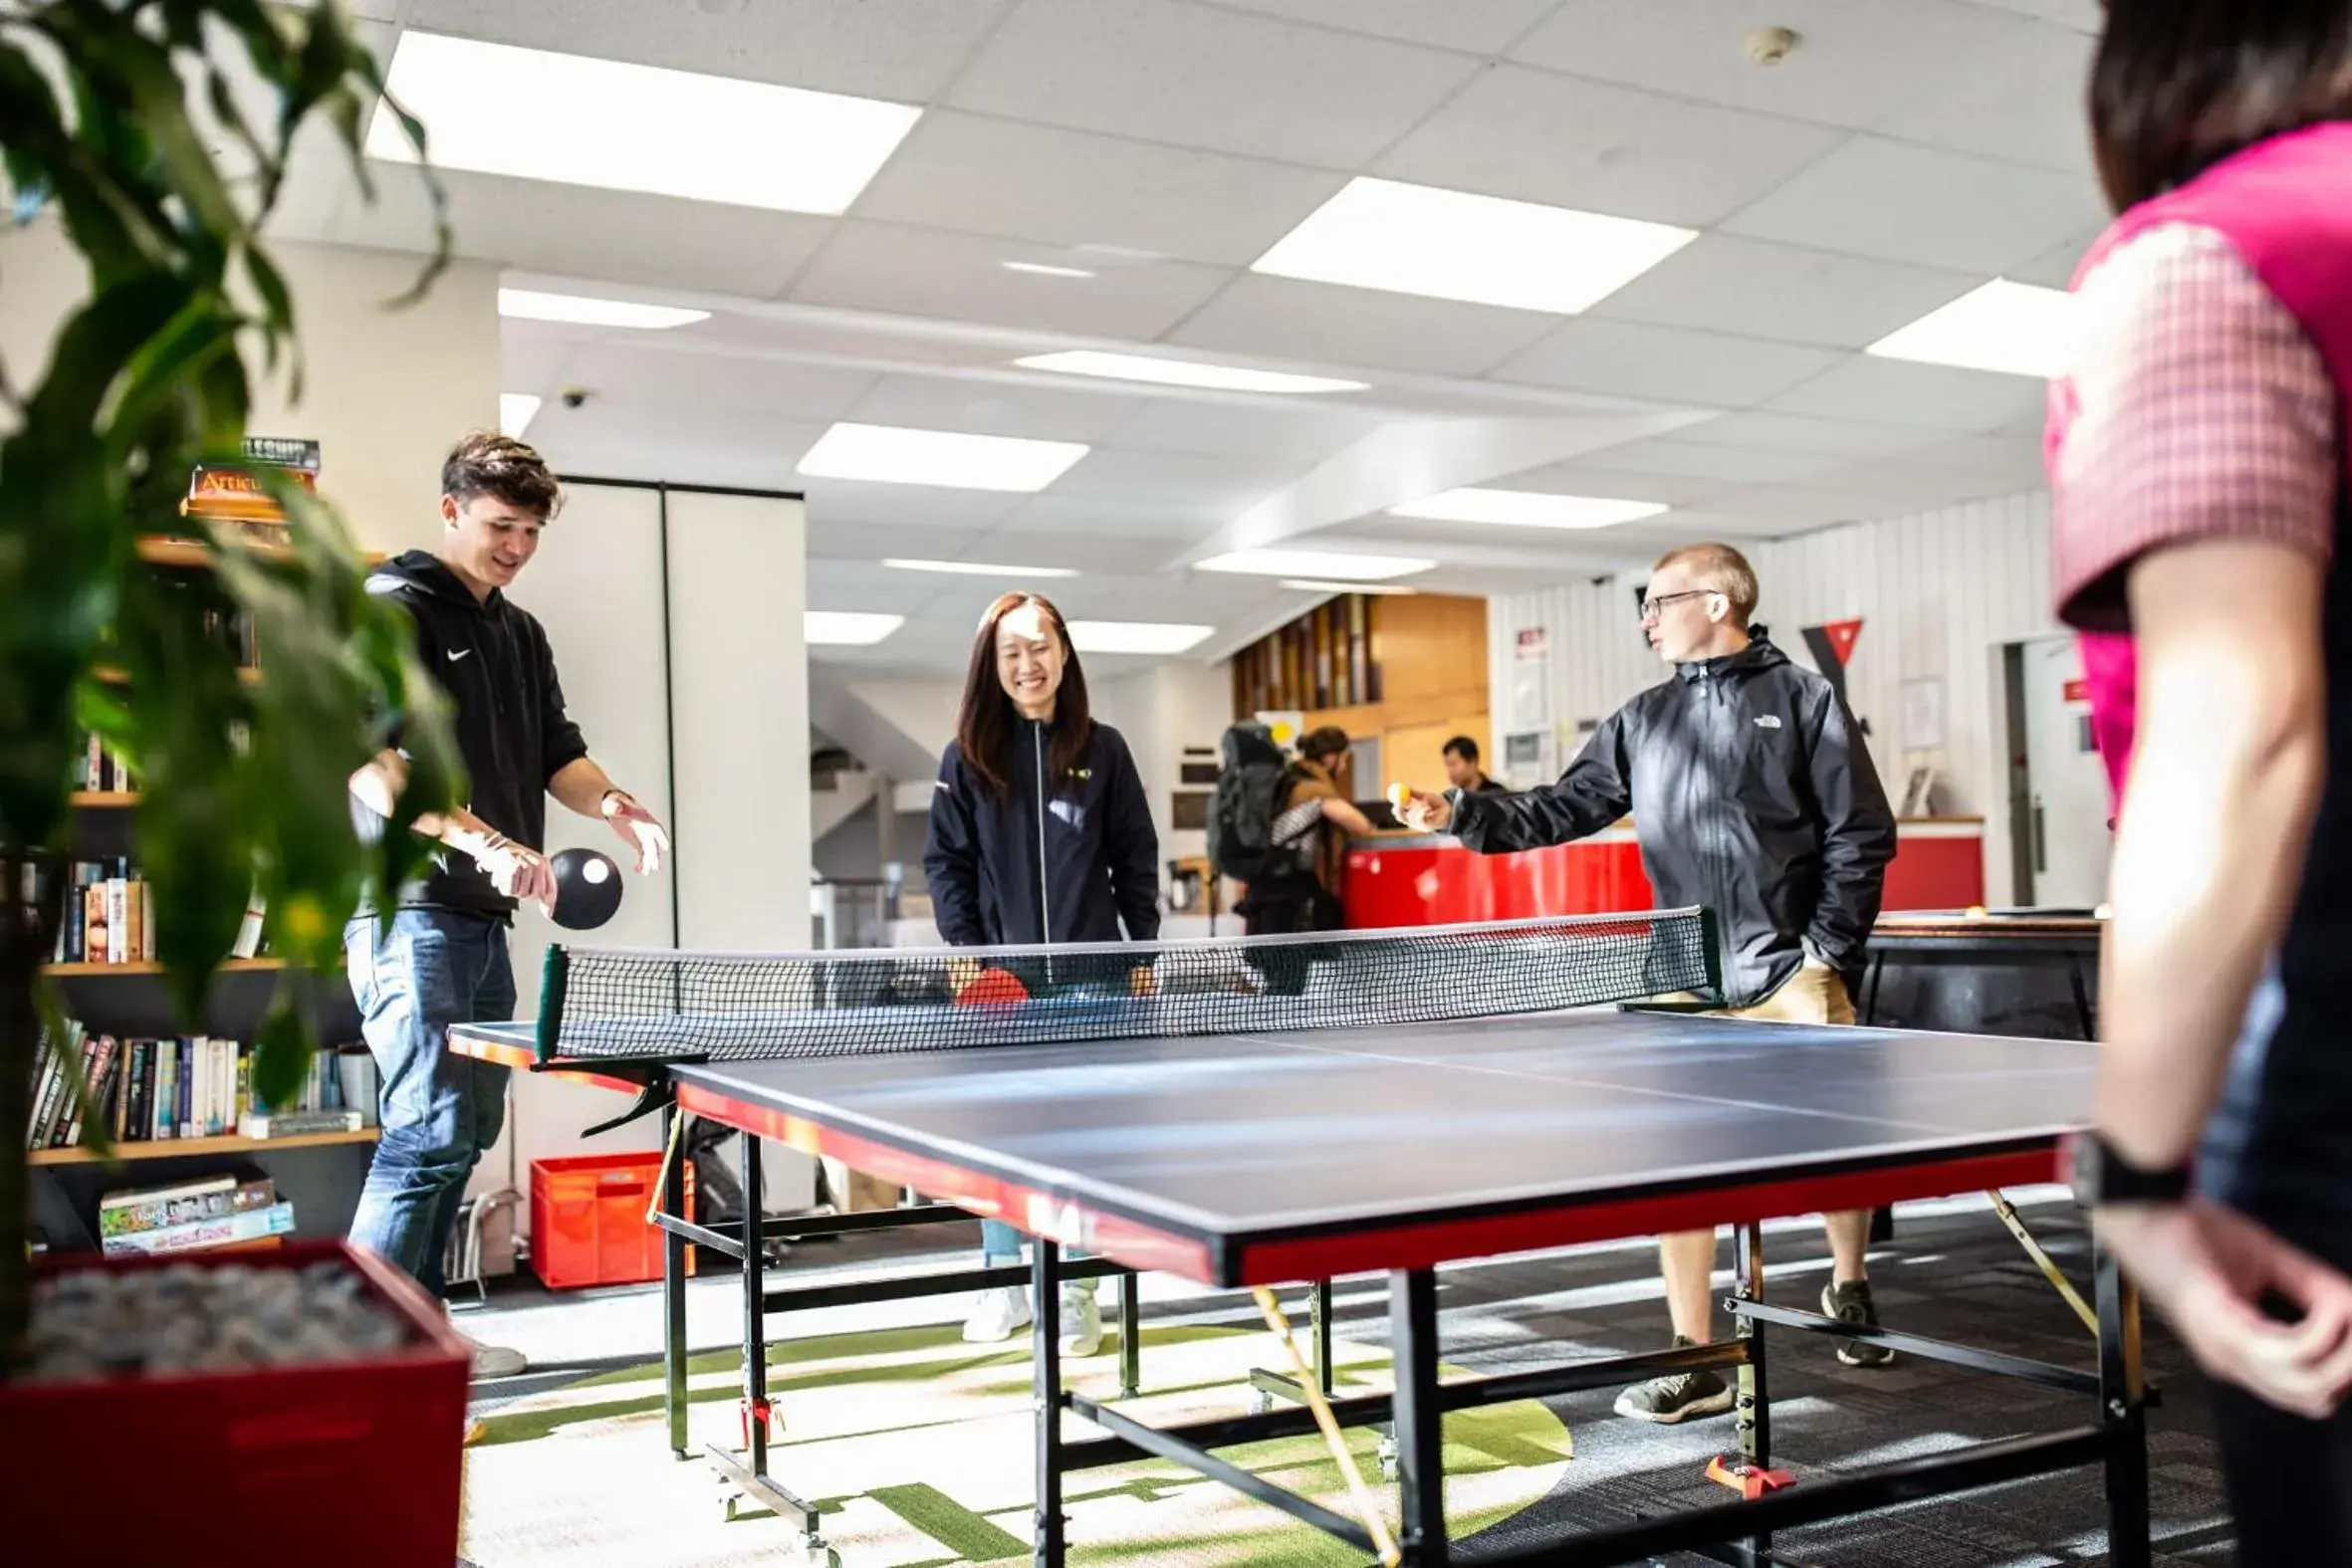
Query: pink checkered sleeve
{"x": 2197, "y": 409}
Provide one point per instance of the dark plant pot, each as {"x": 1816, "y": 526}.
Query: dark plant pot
{"x": 352, "y": 1464}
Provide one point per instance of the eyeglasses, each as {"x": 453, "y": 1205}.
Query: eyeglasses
{"x": 1651, "y": 607}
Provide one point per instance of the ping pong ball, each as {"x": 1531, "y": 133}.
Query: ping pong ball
{"x": 595, "y": 871}
{"x": 1975, "y": 912}
{"x": 2103, "y": 912}
{"x": 1398, "y": 795}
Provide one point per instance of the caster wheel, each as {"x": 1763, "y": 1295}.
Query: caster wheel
{"x": 818, "y": 1556}
{"x": 1261, "y": 1401}
{"x": 1388, "y": 1459}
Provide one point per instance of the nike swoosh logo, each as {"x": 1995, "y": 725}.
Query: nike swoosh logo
{"x": 458, "y": 653}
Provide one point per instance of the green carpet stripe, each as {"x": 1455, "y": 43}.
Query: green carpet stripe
{"x": 947, "y": 1521}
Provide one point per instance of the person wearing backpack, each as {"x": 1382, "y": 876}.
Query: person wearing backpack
{"x": 1296, "y": 888}
{"x": 1041, "y": 832}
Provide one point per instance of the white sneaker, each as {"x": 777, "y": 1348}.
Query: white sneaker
{"x": 498, "y": 1361}
{"x": 1082, "y": 1320}
{"x": 998, "y": 1315}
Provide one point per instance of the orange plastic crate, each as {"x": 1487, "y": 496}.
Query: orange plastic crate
{"x": 588, "y": 1220}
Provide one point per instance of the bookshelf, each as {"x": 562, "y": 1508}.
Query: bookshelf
{"x": 184, "y": 1148}
{"x": 227, "y": 966}
{"x": 129, "y": 1001}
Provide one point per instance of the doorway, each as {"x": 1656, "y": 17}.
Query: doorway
{"x": 2059, "y": 807}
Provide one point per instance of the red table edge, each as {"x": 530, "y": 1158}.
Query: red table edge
{"x": 1292, "y": 1259}
{"x": 501, "y": 1053}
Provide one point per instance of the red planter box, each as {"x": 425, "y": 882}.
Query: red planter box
{"x": 1428, "y": 880}
{"x": 356, "y": 1464}
{"x": 588, "y": 1220}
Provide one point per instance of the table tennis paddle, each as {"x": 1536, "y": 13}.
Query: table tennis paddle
{"x": 588, "y": 888}
{"x": 991, "y": 986}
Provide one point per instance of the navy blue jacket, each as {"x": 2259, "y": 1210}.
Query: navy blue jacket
{"x": 1752, "y": 794}
{"x": 1069, "y": 859}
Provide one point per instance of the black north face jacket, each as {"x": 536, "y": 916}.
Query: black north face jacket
{"x": 1068, "y": 859}
{"x": 1751, "y": 794}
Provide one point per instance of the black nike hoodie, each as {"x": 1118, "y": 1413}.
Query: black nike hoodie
{"x": 492, "y": 657}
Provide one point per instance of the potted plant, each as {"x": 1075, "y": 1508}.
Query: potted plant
{"x": 156, "y": 134}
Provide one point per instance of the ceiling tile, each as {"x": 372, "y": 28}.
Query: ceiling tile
{"x": 1850, "y": 438}
{"x": 1726, "y": 285}
{"x": 1068, "y": 187}
{"x": 1892, "y": 392}
{"x": 605, "y": 445}
{"x": 1874, "y": 197}
{"x": 1222, "y": 482}
{"x": 1298, "y": 429}
{"x": 995, "y": 407}
{"x": 1139, "y": 517}
{"x": 582, "y": 232}
{"x": 674, "y": 384}
{"x": 916, "y": 272}
{"x": 1604, "y": 148}
{"x": 2055, "y": 267}
{"x": 1739, "y": 465}
{"x": 1110, "y": 554}
{"x": 1326, "y": 324}
{"x": 1631, "y": 361}
{"x": 2082, "y": 16}
{"x": 1857, "y": 60}
{"x": 1478, "y": 27}
{"x": 866, "y": 503}
{"x": 2025, "y": 103}
{"x": 1601, "y": 477}
{"x": 1190, "y": 76}
{"x": 904, "y": 49}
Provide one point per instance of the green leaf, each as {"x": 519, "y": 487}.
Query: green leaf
{"x": 282, "y": 1051}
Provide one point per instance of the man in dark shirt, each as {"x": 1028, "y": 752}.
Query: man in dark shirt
{"x": 1753, "y": 795}
{"x": 1462, "y": 770}
{"x": 440, "y": 956}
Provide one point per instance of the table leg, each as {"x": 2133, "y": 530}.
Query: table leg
{"x": 1320, "y": 1306}
{"x": 673, "y": 1288}
{"x": 2084, "y": 1015}
{"x": 1045, "y": 1273}
{"x": 755, "y": 1314}
{"x": 1130, "y": 1336}
{"x": 1755, "y": 1407}
{"x": 2122, "y": 1391}
{"x": 1421, "y": 1472}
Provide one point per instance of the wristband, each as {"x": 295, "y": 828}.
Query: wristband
{"x": 605, "y": 806}
{"x": 2100, "y": 1176}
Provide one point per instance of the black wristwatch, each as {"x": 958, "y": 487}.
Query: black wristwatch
{"x": 2100, "y": 1176}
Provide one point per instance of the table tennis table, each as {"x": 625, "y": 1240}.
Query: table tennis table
{"x": 1315, "y": 1128}
{"x": 2046, "y": 938}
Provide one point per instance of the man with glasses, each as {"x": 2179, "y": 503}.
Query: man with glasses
{"x": 1752, "y": 794}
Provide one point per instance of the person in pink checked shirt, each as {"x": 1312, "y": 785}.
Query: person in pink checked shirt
{"x": 2198, "y": 461}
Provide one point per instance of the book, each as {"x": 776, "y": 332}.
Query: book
{"x": 295, "y": 1124}
{"x": 197, "y": 1234}
{"x": 185, "y": 1202}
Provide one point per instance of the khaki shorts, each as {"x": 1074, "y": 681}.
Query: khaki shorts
{"x": 1815, "y": 994}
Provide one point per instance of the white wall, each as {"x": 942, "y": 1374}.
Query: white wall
{"x": 385, "y": 393}
{"x": 1937, "y": 595}
{"x": 1161, "y": 711}
{"x": 924, "y": 711}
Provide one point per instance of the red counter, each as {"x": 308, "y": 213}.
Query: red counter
{"x": 1428, "y": 879}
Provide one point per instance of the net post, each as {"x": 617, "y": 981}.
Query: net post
{"x": 555, "y": 969}
{"x": 1711, "y": 945}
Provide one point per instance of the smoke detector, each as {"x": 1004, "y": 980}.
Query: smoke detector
{"x": 1768, "y": 46}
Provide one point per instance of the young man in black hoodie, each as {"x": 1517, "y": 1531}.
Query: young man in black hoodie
{"x": 1753, "y": 795}
{"x": 440, "y": 956}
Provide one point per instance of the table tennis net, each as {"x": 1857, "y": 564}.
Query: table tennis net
{"x": 665, "y": 1004}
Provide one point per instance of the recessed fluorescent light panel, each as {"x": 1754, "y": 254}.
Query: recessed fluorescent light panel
{"x": 978, "y": 568}
{"x": 1527, "y": 509}
{"x": 1134, "y": 637}
{"x": 2013, "y": 328}
{"x": 515, "y": 410}
{"x": 1449, "y": 245}
{"x": 847, "y": 628}
{"x": 532, "y": 114}
{"x": 1316, "y": 563}
{"x": 1310, "y": 586}
{"x": 532, "y": 305}
{"x": 890, "y": 454}
{"x": 1183, "y": 372}
{"x": 1047, "y": 270}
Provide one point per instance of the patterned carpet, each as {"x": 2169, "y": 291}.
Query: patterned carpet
{"x": 918, "y": 1444}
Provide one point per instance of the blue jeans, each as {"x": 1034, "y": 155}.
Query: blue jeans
{"x": 414, "y": 976}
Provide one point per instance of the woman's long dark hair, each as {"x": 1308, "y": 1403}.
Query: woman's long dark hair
{"x": 983, "y": 727}
{"x": 2181, "y": 84}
